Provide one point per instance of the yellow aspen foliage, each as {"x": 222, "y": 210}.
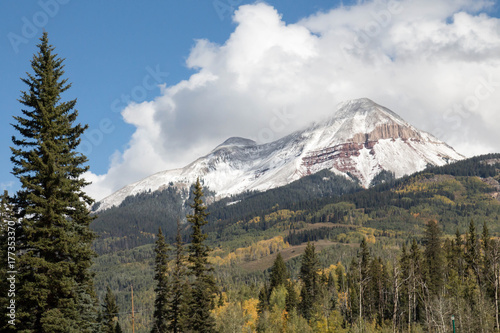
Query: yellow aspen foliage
{"x": 252, "y": 252}
{"x": 255, "y": 220}
{"x": 250, "y": 310}
{"x": 329, "y": 269}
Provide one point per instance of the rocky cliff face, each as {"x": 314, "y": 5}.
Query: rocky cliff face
{"x": 370, "y": 138}
{"x": 359, "y": 141}
{"x": 387, "y": 131}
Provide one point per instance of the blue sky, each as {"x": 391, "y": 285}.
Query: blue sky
{"x": 109, "y": 46}
{"x": 117, "y": 52}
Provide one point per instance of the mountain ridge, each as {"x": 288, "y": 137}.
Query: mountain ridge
{"x": 358, "y": 142}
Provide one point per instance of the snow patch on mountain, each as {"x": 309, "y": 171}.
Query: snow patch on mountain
{"x": 360, "y": 140}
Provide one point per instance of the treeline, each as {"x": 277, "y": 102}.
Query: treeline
{"x": 298, "y": 237}
{"x": 292, "y": 196}
{"x": 481, "y": 166}
{"x": 137, "y": 219}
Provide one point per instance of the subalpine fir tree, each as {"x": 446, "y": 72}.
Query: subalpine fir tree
{"x": 279, "y": 273}
{"x": 291, "y": 297}
{"x": 55, "y": 285}
{"x": 109, "y": 312}
{"x": 434, "y": 257}
{"x": 177, "y": 314}
{"x": 473, "y": 252}
{"x": 487, "y": 262}
{"x": 203, "y": 287}
{"x": 263, "y": 304}
{"x": 162, "y": 289}
{"x": 310, "y": 281}
{"x": 118, "y": 328}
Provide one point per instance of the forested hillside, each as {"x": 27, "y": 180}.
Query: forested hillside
{"x": 137, "y": 219}
{"x": 390, "y": 282}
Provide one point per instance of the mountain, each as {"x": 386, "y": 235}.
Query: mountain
{"x": 361, "y": 140}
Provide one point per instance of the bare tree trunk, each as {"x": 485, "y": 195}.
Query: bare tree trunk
{"x": 496, "y": 270}
{"x": 497, "y": 278}
{"x": 360, "y": 300}
{"x": 396, "y": 298}
{"x": 426, "y": 299}
{"x": 409, "y": 311}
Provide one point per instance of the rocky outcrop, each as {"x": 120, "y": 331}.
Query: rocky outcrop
{"x": 338, "y": 157}
{"x": 388, "y": 131}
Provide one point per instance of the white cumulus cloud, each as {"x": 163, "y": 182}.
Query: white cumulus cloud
{"x": 435, "y": 63}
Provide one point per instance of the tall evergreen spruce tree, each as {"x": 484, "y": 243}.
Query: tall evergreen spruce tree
{"x": 291, "y": 297}
{"x": 203, "y": 286}
{"x": 487, "y": 262}
{"x": 473, "y": 251}
{"x": 279, "y": 273}
{"x": 263, "y": 304}
{"x": 163, "y": 286}
{"x": 55, "y": 290}
{"x": 434, "y": 257}
{"x": 110, "y": 312}
{"x": 310, "y": 281}
{"x": 177, "y": 299}
{"x": 118, "y": 328}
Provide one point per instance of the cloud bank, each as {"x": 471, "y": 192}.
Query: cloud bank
{"x": 435, "y": 63}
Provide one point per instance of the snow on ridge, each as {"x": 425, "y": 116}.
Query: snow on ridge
{"x": 240, "y": 164}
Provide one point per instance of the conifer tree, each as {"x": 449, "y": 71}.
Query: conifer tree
{"x": 118, "y": 328}
{"x": 176, "y": 315}
{"x": 263, "y": 304}
{"x": 310, "y": 281}
{"x": 110, "y": 312}
{"x": 434, "y": 257}
{"x": 203, "y": 287}
{"x": 473, "y": 252}
{"x": 364, "y": 277}
{"x": 353, "y": 287}
{"x": 279, "y": 273}
{"x": 487, "y": 266}
{"x": 332, "y": 289}
{"x": 55, "y": 290}
{"x": 185, "y": 308}
{"x": 364, "y": 259}
{"x": 458, "y": 261}
{"x": 162, "y": 289}
{"x": 416, "y": 282}
{"x": 291, "y": 297}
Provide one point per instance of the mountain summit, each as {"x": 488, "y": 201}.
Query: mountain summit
{"x": 361, "y": 140}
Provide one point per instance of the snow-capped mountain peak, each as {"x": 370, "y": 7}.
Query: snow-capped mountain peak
{"x": 359, "y": 141}
{"x": 236, "y": 141}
